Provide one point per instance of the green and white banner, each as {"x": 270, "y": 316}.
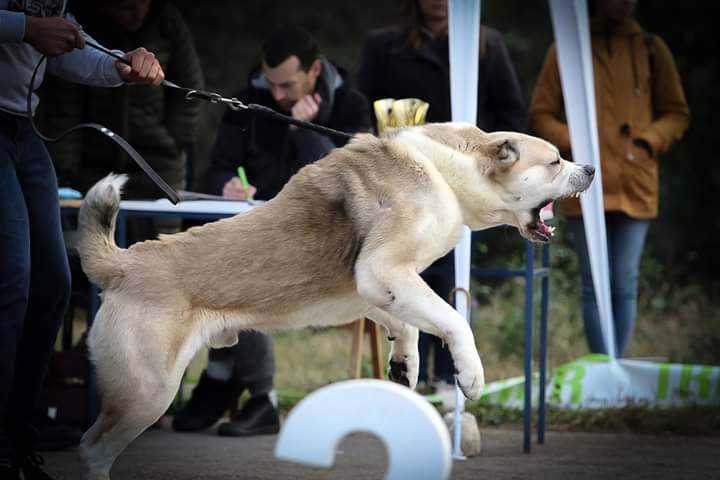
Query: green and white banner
{"x": 595, "y": 381}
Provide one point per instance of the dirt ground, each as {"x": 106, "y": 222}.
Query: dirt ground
{"x": 162, "y": 454}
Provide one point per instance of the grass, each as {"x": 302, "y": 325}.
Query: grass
{"x": 690, "y": 420}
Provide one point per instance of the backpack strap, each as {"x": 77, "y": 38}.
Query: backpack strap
{"x": 483, "y": 42}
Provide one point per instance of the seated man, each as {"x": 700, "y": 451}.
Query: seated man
{"x": 296, "y": 80}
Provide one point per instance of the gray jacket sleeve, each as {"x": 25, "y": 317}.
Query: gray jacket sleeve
{"x": 12, "y": 26}
{"x": 87, "y": 66}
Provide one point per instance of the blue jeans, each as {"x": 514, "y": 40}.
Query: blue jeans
{"x": 34, "y": 277}
{"x": 626, "y": 239}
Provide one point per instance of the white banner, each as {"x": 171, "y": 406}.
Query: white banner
{"x": 572, "y": 38}
{"x": 597, "y": 381}
{"x": 464, "y": 38}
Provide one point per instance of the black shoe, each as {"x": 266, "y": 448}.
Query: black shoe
{"x": 31, "y": 470}
{"x": 257, "y": 417}
{"x": 9, "y": 471}
{"x": 210, "y": 399}
{"x": 55, "y": 436}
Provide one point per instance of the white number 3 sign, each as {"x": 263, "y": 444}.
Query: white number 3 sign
{"x": 415, "y": 436}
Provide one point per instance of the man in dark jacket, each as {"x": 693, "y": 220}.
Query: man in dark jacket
{"x": 412, "y": 61}
{"x": 296, "y": 80}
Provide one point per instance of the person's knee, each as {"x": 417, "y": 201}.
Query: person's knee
{"x": 625, "y": 283}
{"x": 15, "y": 285}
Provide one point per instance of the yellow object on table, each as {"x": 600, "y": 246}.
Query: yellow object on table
{"x": 391, "y": 113}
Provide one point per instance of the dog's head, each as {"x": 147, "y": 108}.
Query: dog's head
{"x": 512, "y": 177}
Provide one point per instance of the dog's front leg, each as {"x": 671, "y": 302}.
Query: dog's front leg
{"x": 404, "y": 361}
{"x": 399, "y": 291}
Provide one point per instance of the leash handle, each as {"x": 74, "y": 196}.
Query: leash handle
{"x": 108, "y": 52}
{"x": 127, "y": 62}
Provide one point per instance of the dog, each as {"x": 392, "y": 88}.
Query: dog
{"x": 347, "y": 237}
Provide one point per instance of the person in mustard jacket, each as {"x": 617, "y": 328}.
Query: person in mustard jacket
{"x": 641, "y": 112}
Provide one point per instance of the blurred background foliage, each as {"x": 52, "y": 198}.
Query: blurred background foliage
{"x": 680, "y": 291}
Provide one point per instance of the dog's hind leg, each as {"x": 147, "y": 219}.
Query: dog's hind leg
{"x": 124, "y": 416}
{"x": 137, "y": 382}
{"x": 404, "y": 361}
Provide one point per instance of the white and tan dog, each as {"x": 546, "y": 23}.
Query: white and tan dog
{"x": 346, "y": 238}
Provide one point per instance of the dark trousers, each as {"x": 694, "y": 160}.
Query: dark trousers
{"x": 440, "y": 276}
{"x": 253, "y": 361}
{"x": 34, "y": 277}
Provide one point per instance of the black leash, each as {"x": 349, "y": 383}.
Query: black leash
{"x": 190, "y": 94}
{"x": 234, "y": 103}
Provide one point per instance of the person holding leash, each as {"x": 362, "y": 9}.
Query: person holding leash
{"x": 34, "y": 274}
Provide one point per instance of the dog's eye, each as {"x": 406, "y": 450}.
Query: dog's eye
{"x": 556, "y": 162}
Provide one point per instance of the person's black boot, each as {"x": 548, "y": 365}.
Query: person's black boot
{"x": 208, "y": 403}
{"x": 257, "y": 417}
{"x": 30, "y": 466}
{"x": 53, "y": 435}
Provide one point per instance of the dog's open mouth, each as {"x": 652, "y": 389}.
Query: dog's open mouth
{"x": 537, "y": 229}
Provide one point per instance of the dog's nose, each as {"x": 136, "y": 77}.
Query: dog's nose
{"x": 590, "y": 170}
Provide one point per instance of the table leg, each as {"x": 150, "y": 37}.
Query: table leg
{"x": 544, "y": 305}
{"x": 529, "y": 284}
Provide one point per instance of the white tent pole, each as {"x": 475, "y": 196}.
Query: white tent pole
{"x": 572, "y": 38}
{"x": 464, "y": 38}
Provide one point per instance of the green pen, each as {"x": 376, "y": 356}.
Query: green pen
{"x": 243, "y": 178}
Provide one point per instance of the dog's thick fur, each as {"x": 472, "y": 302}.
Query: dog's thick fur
{"x": 345, "y": 238}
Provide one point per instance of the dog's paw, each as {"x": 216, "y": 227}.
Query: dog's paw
{"x": 472, "y": 380}
{"x": 398, "y": 373}
{"x": 404, "y": 369}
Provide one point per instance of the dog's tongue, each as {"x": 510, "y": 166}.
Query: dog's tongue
{"x": 543, "y": 228}
{"x": 546, "y": 213}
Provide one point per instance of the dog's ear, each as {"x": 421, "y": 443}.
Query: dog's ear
{"x": 504, "y": 151}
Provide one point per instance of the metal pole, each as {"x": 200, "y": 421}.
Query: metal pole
{"x": 529, "y": 283}
{"x": 544, "y": 300}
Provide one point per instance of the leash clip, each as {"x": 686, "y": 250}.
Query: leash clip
{"x": 209, "y": 96}
{"x": 234, "y": 103}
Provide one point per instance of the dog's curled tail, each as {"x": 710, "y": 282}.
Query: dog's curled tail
{"x": 96, "y": 225}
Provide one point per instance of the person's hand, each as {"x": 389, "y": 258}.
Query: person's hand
{"x": 145, "y": 67}
{"x": 234, "y": 189}
{"x": 306, "y": 109}
{"x": 52, "y": 36}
